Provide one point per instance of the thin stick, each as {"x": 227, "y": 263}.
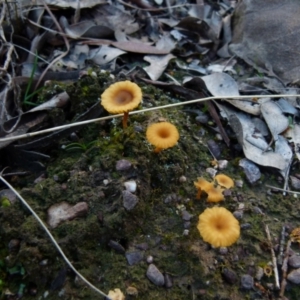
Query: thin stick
{"x": 274, "y": 261}
{"x": 276, "y": 188}
{"x": 281, "y": 248}
{"x": 51, "y": 237}
{"x": 23, "y": 136}
{"x": 284, "y": 269}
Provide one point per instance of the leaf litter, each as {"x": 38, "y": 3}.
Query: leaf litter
{"x": 132, "y": 41}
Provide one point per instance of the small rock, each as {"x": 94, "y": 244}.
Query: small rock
{"x": 142, "y": 246}
{"x": 129, "y": 200}
{"x": 182, "y": 179}
{"x": 61, "y": 212}
{"x": 186, "y": 216}
{"x": 155, "y": 276}
{"x": 223, "y": 250}
{"x": 251, "y": 170}
{"x": 123, "y": 165}
{"x": 14, "y": 246}
{"x": 239, "y": 183}
{"x": 245, "y": 226}
{"x": 149, "y": 259}
{"x": 10, "y": 195}
{"x": 187, "y": 225}
{"x": 222, "y": 164}
{"x": 257, "y": 210}
{"x": 211, "y": 172}
{"x": 134, "y": 257}
{"x": 168, "y": 281}
{"x": 229, "y": 276}
{"x": 130, "y": 186}
{"x": 132, "y": 291}
{"x": 247, "y": 282}
{"x": 116, "y": 246}
{"x": 294, "y": 276}
{"x": 238, "y": 214}
{"x": 295, "y": 182}
{"x": 185, "y": 232}
{"x": 259, "y": 273}
{"x": 214, "y": 148}
{"x": 294, "y": 261}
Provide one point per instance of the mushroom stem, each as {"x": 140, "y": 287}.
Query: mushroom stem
{"x": 125, "y": 118}
{"x": 157, "y": 150}
{"x": 198, "y": 196}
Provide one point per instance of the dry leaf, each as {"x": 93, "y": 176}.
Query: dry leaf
{"x": 157, "y": 65}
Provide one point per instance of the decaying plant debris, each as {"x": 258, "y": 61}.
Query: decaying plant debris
{"x": 127, "y": 216}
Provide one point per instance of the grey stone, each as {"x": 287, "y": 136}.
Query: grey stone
{"x": 123, "y": 165}
{"x": 294, "y": 261}
{"x": 238, "y": 214}
{"x": 168, "y": 281}
{"x": 61, "y": 212}
{"x": 155, "y": 276}
{"x": 251, "y": 170}
{"x": 129, "y": 200}
{"x": 186, "y": 216}
{"x": 229, "y": 276}
{"x": 294, "y": 276}
{"x": 247, "y": 282}
{"x": 134, "y": 257}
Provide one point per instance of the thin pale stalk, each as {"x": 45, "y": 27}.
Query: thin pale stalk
{"x": 27, "y": 135}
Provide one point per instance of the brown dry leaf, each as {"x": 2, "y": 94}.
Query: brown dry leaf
{"x": 129, "y": 46}
{"x": 157, "y": 65}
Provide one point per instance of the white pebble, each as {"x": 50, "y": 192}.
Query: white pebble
{"x": 105, "y": 181}
{"x": 130, "y": 186}
{"x": 186, "y": 232}
{"x": 212, "y": 172}
{"x": 222, "y": 164}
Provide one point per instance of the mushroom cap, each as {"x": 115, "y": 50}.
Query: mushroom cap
{"x": 121, "y": 97}
{"x": 203, "y": 184}
{"x": 215, "y": 194}
{"x": 218, "y": 227}
{"x": 162, "y": 135}
{"x": 224, "y": 180}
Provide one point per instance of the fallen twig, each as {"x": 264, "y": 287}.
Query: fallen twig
{"x": 27, "y": 135}
{"x": 274, "y": 260}
{"x": 284, "y": 269}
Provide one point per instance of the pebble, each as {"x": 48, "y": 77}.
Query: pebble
{"x": 14, "y": 245}
{"x": 238, "y": 214}
{"x": 116, "y": 246}
{"x": 239, "y": 183}
{"x": 214, "y": 148}
{"x": 294, "y": 261}
{"x": 129, "y": 200}
{"x": 10, "y": 195}
{"x": 186, "y": 216}
{"x": 150, "y": 259}
{"x": 182, "y": 179}
{"x": 134, "y": 257}
{"x": 222, "y": 164}
{"x": 257, "y": 210}
{"x": 130, "y": 186}
{"x": 229, "y": 276}
{"x": 223, "y": 250}
{"x": 251, "y": 170}
{"x": 142, "y": 246}
{"x": 132, "y": 291}
{"x": 155, "y": 276}
{"x": 211, "y": 172}
{"x": 246, "y": 226}
{"x": 295, "y": 182}
{"x": 294, "y": 276}
{"x": 185, "y": 232}
{"x": 63, "y": 211}
{"x": 247, "y": 282}
{"x": 186, "y": 225}
{"x": 123, "y": 165}
{"x": 168, "y": 281}
{"x": 259, "y": 273}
